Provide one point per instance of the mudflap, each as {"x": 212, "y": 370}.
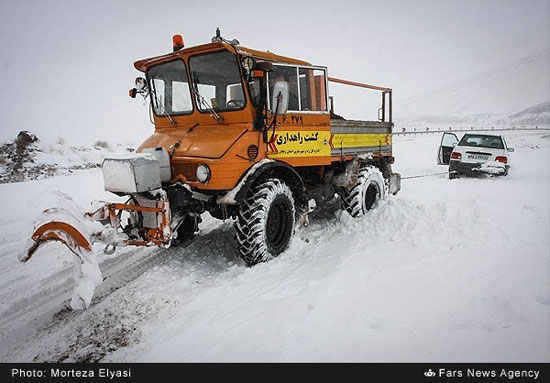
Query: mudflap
{"x": 394, "y": 183}
{"x": 61, "y": 225}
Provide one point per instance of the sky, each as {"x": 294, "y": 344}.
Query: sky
{"x": 67, "y": 66}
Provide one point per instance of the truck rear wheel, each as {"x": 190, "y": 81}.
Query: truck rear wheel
{"x": 265, "y": 221}
{"x": 366, "y": 192}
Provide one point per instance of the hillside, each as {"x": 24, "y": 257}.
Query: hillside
{"x": 518, "y": 92}
{"x": 37, "y": 159}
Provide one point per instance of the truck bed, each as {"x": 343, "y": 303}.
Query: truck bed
{"x": 353, "y": 137}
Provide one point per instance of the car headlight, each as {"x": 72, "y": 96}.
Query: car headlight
{"x": 203, "y": 173}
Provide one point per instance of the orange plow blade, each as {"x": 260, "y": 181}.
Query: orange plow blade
{"x": 58, "y": 224}
{"x": 79, "y": 230}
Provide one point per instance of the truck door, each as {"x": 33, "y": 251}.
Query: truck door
{"x": 448, "y": 142}
{"x": 302, "y": 135}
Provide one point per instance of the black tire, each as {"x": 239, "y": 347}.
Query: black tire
{"x": 453, "y": 175}
{"x": 187, "y": 229}
{"x": 265, "y": 221}
{"x": 367, "y": 191}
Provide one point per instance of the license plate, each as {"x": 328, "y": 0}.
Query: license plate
{"x": 477, "y": 157}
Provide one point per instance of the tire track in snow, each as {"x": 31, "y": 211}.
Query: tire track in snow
{"x": 118, "y": 307}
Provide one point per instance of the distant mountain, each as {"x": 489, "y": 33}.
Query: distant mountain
{"x": 518, "y": 92}
{"x": 536, "y": 115}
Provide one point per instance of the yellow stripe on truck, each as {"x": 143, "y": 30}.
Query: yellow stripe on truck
{"x": 346, "y": 140}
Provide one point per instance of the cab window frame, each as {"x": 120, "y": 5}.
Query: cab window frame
{"x": 238, "y": 62}
{"x": 298, "y": 67}
{"x": 153, "y": 101}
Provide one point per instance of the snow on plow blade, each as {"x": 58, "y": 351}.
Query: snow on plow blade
{"x": 79, "y": 230}
{"x": 58, "y": 224}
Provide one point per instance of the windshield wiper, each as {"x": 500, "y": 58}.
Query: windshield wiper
{"x": 203, "y": 102}
{"x": 154, "y": 92}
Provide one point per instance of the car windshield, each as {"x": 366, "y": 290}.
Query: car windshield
{"x": 481, "y": 141}
{"x": 169, "y": 88}
{"x": 217, "y": 80}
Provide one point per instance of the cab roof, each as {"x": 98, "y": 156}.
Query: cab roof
{"x": 143, "y": 64}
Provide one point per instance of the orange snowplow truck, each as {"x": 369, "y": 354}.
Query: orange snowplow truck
{"x": 244, "y": 135}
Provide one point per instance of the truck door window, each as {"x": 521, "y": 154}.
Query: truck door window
{"x": 254, "y": 87}
{"x": 169, "y": 88}
{"x": 313, "y": 90}
{"x": 305, "y": 94}
{"x": 290, "y": 75}
{"x": 311, "y": 95}
{"x": 217, "y": 78}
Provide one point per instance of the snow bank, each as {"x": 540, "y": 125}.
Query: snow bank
{"x": 45, "y": 159}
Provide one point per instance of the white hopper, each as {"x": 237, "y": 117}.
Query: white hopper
{"x": 136, "y": 174}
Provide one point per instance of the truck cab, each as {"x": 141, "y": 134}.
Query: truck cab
{"x": 211, "y": 107}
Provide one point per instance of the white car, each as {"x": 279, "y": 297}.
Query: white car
{"x": 475, "y": 154}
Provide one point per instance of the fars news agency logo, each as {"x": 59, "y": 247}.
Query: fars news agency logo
{"x": 429, "y": 373}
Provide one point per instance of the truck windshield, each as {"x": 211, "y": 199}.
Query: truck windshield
{"x": 217, "y": 79}
{"x": 170, "y": 89}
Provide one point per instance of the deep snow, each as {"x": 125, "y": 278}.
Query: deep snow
{"x": 454, "y": 271}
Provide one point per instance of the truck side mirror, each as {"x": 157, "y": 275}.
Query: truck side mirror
{"x": 141, "y": 88}
{"x": 279, "y": 102}
{"x": 141, "y": 84}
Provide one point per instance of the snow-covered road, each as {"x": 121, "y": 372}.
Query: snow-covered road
{"x": 450, "y": 271}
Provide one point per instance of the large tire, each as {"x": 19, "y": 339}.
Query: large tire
{"x": 265, "y": 221}
{"x": 366, "y": 192}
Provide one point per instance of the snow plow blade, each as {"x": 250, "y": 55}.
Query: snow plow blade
{"x": 79, "y": 230}
{"x": 58, "y": 224}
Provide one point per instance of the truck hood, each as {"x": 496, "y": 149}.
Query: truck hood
{"x": 204, "y": 141}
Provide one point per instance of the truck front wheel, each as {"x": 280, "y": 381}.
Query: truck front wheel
{"x": 366, "y": 192}
{"x": 265, "y": 221}
{"x": 187, "y": 229}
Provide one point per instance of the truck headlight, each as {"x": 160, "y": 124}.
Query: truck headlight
{"x": 203, "y": 173}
